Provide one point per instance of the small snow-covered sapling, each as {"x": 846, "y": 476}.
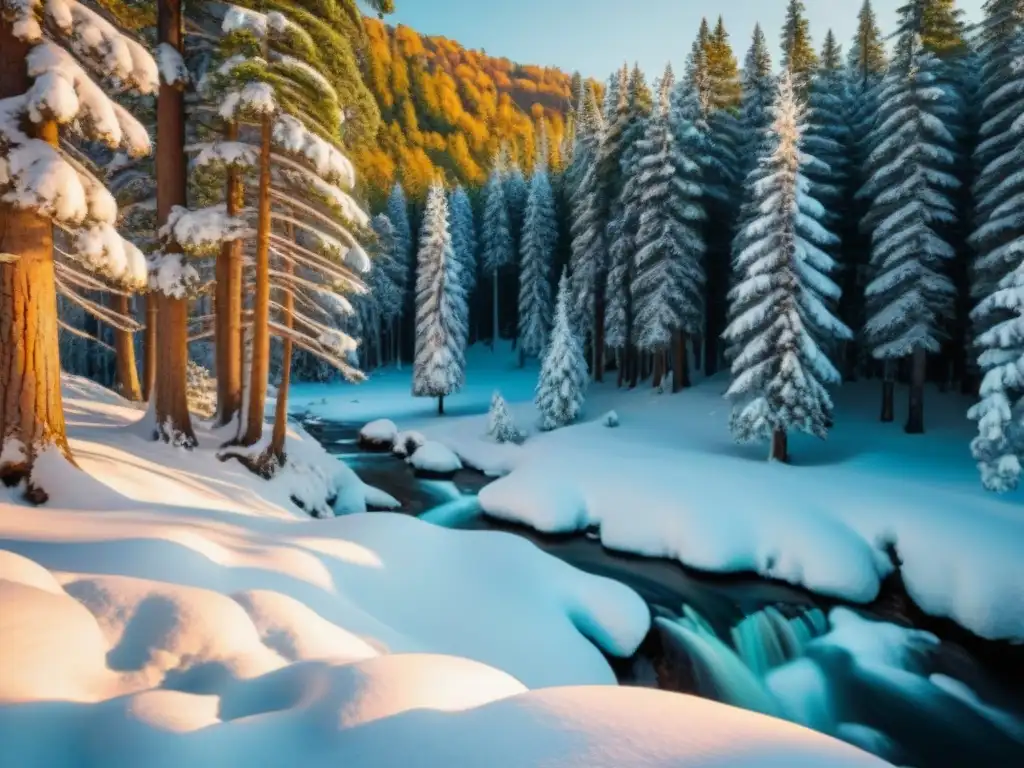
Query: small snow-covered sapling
{"x": 500, "y": 424}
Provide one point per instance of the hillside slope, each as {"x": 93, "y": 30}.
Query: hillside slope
{"x": 449, "y": 109}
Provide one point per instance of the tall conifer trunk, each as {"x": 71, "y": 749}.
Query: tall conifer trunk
{"x": 277, "y": 443}
{"x": 124, "y": 348}
{"x": 172, "y": 415}
{"x": 495, "y": 335}
{"x": 149, "y": 346}
{"x": 888, "y": 390}
{"x": 918, "y": 374}
{"x": 228, "y": 302}
{"x": 260, "y": 368}
{"x": 780, "y": 447}
{"x": 680, "y": 369}
{"x": 31, "y": 410}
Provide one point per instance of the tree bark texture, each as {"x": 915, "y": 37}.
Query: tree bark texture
{"x": 277, "y": 442}
{"x": 260, "y": 369}
{"x": 124, "y": 349}
{"x": 31, "y": 410}
{"x": 228, "y": 306}
{"x": 780, "y": 446}
{"x": 149, "y": 346}
{"x": 173, "y": 419}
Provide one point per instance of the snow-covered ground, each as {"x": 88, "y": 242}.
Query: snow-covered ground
{"x": 166, "y": 608}
{"x": 670, "y": 482}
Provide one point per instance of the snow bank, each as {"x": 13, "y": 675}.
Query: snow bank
{"x": 378, "y": 434}
{"x": 433, "y": 458}
{"x": 408, "y": 442}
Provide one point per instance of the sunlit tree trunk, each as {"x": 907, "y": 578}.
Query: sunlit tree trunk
{"x": 31, "y": 411}
{"x": 149, "y": 347}
{"x": 124, "y": 349}
{"x": 172, "y": 415}
{"x": 277, "y": 443}
{"x": 260, "y": 368}
{"x": 228, "y": 303}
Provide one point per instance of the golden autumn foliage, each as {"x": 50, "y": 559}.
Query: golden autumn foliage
{"x": 448, "y": 110}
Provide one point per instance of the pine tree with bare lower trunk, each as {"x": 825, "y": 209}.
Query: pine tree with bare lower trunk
{"x": 124, "y": 350}
{"x": 228, "y": 299}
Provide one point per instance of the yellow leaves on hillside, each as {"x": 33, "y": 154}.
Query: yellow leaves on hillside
{"x": 449, "y": 111}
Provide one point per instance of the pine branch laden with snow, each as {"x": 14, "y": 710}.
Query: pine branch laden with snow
{"x": 497, "y": 248}
{"x": 172, "y": 66}
{"x": 828, "y": 140}
{"x": 910, "y": 186}
{"x": 999, "y": 446}
{"x": 562, "y": 386}
{"x": 385, "y": 280}
{"x": 539, "y": 239}
{"x": 589, "y": 254}
{"x": 780, "y": 314}
{"x": 500, "y": 424}
{"x": 668, "y": 281}
{"x": 439, "y": 366}
{"x": 71, "y": 46}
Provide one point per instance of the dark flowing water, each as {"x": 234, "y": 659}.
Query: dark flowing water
{"x": 749, "y": 642}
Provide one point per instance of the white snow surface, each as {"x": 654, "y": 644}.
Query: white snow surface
{"x": 435, "y": 457}
{"x": 670, "y": 482}
{"x": 167, "y": 609}
{"x": 379, "y": 431}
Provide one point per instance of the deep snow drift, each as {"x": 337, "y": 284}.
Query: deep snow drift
{"x": 670, "y": 482}
{"x": 167, "y": 608}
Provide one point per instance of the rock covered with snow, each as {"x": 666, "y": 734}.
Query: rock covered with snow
{"x": 610, "y": 419}
{"x": 407, "y": 443}
{"x": 378, "y": 435}
{"x": 433, "y": 459}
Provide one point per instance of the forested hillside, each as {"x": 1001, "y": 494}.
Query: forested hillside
{"x": 449, "y": 109}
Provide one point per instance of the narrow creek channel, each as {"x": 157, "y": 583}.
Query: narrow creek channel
{"x": 749, "y": 642}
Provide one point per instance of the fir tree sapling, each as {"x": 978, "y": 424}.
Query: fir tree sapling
{"x": 500, "y": 424}
{"x": 439, "y": 367}
{"x": 780, "y": 313}
{"x": 561, "y": 388}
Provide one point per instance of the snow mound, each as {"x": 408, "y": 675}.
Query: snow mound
{"x": 378, "y": 434}
{"x": 610, "y": 419}
{"x": 407, "y": 443}
{"x": 434, "y": 459}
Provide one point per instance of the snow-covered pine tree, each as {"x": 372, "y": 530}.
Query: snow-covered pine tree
{"x": 385, "y": 278}
{"x": 622, "y": 229}
{"x": 726, "y": 87}
{"x": 759, "y": 88}
{"x": 516, "y": 192}
{"x": 59, "y": 61}
{"x": 910, "y": 187}
{"x": 999, "y": 446}
{"x": 668, "y": 281}
{"x": 398, "y": 214}
{"x": 500, "y": 424}
{"x": 439, "y": 367}
{"x": 798, "y": 56}
{"x": 561, "y": 388}
{"x": 463, "y": 229}
{"x": 588, "y": 260}
{"x": 781, "y": 313}
{"x": 999, "y": 225}
{"x": 827, "y": 139}
{"x": 540, "y": 237}
{"x": 497, "y": 249}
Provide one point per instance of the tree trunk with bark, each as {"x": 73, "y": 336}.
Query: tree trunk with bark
{"x": 277, "y": 442}
{"x": 495, "y": 336}
{"x": 228, "y": 304}
{"x": 440, "y": 406}
{"x": 680, "y": 369}
{"x": 599, "y": 338}
{"x": 888, "y": 391}
{"x": 260, "y": 368}
{"x": 659, "y": 369}
{"x": 780, "y": 447}
{"x": 31, "y": 410}
{"x": 149, "y": 347}
{"x": 174, "y": 422}
{"x": 124, "y": 349}
{"x": 918, "y": 374}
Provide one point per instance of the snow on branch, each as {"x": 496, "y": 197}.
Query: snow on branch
{"x": 262, "y": 25}
{"x": 63, "y": 92}
{"x": 103, "y": 250}
{"x": 233, "y": 154}
{"x": 171, "y": 65}
{"x": 171, "y": 275}
{"x": 202, "y": 231}
{"x": 101, "y": 45}
{"x": 326, "y": 159}
{"x": 253, "y": 99}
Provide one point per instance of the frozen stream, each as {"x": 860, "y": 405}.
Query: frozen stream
{"x": 898, "y": 691}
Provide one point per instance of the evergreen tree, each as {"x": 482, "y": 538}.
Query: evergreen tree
{"x": 759, "y": 90}
{"x": 398, "y": 214}
{"x": 386, "y": 277}
{"x": 561, "y": 388}
{"x": 439, "y": 367}
{"x": 910, "y": 186}
{"x": 942, "y": 27}
{"x": 624, "y": 223}
{"x": 516, "y": 192}
{"x": 589, "y": 250}
{"x": 867, "y": 60}
{"x": 798, "y": 56}
{"x": 999, "y": 446}
{"x": 997, "y": 215}
{"x": 463, "y": 238}
{"x": 498, "y": 251}
{"x": 540, "y": 237}
{"x": 668, "y": 282}
{"x": 726, "y": 88}
{"x": 500, "y": 424}
{"x": 781, "y": 314}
